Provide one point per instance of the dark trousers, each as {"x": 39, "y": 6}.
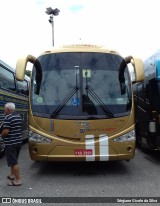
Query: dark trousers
{"x": 12, "y": 154}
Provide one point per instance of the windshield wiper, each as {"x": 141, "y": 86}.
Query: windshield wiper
{"x": 64, "y": 101}
{"x": 98, "y": 100}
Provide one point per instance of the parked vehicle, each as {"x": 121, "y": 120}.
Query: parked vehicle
{"x": 147, "y": 107}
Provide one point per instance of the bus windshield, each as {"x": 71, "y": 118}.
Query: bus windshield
{"x": 81, "y": 85}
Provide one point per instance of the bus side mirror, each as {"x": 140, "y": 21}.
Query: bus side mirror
{"x": 21, "y": 66}
{"x": 138, "y": 69}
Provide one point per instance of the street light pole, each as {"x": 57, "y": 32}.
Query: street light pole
{"x": 51, "y": 20}
{"x": 52, "y": 13}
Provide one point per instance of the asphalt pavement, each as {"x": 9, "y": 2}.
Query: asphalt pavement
{"x": 138, "y": 178}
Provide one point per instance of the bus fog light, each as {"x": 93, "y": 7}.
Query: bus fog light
{"x": 129, "y": 149}
{"x": 35, "y": 150}
{"x": 128, "y": 137}
{"x": 37, "y": 138}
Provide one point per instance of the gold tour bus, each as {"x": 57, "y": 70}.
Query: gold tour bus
{"x": 81, "y": 104}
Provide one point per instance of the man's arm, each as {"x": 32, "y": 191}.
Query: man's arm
{"x": 6, "y": 127}
{"x": 4, "y": 133}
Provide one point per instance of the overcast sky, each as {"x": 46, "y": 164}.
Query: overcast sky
{"x": 128, "y": 26}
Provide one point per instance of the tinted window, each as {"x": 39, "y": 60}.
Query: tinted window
{"x": 140, "y": 91}
{"x": 6, "y": 79}
{"x": 154, "y": 94}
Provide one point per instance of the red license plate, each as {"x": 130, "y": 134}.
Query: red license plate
{"x": 84, "y": 152}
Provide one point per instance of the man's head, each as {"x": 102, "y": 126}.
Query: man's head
{"x": 9, "y": 108}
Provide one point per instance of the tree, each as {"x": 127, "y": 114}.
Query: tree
{"x": 28, "y": 73}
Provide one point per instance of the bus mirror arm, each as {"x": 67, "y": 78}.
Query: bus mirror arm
{"x": 21, "y": 66}
{"x": 38, "y": 76}
{"x": 138, "y": 67}
{"x": 122, "y": 77}
{"x": 128, "y": 59}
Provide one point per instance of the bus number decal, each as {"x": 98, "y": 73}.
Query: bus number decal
{"x": 90, "y": 145}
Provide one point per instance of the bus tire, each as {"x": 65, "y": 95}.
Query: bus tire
{"x": 143, "y": 146}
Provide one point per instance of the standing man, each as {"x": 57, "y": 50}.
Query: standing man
{"x": 11, "y": 135}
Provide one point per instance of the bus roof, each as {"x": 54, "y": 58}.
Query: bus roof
{"x": 12, "y": 70}
{"x": 7, "y": 66}
{"x": 80, "y": 48}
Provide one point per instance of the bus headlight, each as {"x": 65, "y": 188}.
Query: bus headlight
{"x": 128, "y": 137}
{"x": 34, "y": 137}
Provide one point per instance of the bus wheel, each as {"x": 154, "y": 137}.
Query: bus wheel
{"x": 144, "y": 147}
{"x": 139, "y": 142}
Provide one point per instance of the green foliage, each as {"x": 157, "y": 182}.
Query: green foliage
{"x": 28, "y": 73}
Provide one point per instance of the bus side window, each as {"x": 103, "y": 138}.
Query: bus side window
{"x": 22, "y": 88}
{"x": 146, "y": 84}
{"x": 140, "y": 90}
{"x": 146, "y": 90}
{"x": 153, "y": 94}
{"x": 7, "y": 80}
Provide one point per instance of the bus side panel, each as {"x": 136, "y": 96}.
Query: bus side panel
{"x": 141, "y": 112}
